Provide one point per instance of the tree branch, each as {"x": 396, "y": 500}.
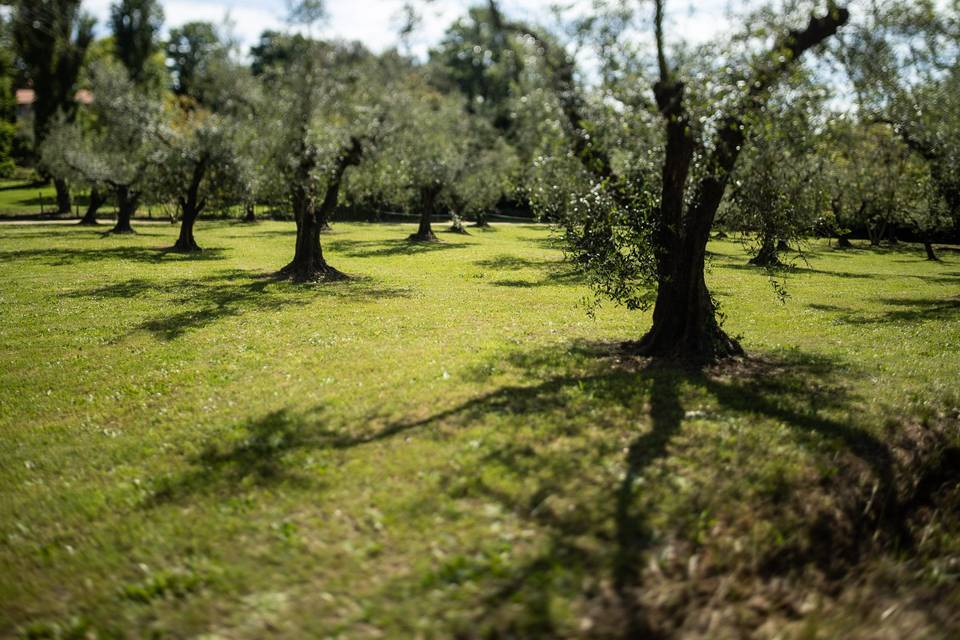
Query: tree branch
{"x": 731, "y": 131}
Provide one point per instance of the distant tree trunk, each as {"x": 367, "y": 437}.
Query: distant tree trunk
{"x": 94, "y": 203}
{"x": 456, "y": 225}
{"x": 63, "y": 195}
{"x": 127, "y": 201}
{"x": 482, "y": 222}
{"x": 876, "y": 232}
{"x": 768, "y": 255}
{"x": 782, "y": 245}
{"x": 249, "y": 212}
{"x": 843, "y": 239}
{"x": 191, "y": 205}
{"x": 428, "y": 203}
{"x": 931, "y": 254}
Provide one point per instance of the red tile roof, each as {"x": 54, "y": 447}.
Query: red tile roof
{"x": 27, "y": 96}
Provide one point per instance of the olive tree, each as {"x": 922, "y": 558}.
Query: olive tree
{"x": 777, "y": 188}
{"x": 323, "y": 110}
{"x": 904, "y": 61}
{"x": 876, "y": 183}
{"x": 118, "y": 148}
{"x": 422, "y": 152}
{"x": 638, "y": 237}
{"x": 197, "y": 156}
{"x": 488, "y": 175}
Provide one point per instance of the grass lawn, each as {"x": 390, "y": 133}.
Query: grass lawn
{"x": 22, "y": 197}
{"x": 446, "y": 445}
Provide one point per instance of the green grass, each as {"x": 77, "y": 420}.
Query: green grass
{"x": 447, "y": 445}
{"x": 19, "y": 197}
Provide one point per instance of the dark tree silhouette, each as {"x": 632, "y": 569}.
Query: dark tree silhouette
{"x": 51, "y": 38}
{"x": 136, "y": 24}
{"x": 96, "y": 200}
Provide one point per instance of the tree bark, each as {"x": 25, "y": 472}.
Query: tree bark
{"x": 428, "y": 203}
{"x": 185, "y": 242}
{"x": 63, "y": 195}
{"x": 96, "y": 200}
{"x": 349, "y": 157}
{"x": 127, "y": 201}
{"x": 191, "y": 205}
{"x": 685, "y": 325}
{"x": 308, "y": 264}
{"x": 931, "y": 254}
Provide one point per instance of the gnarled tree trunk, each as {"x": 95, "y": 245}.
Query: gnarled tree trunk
{"x": 127, "y": 201}
{"x": 96, "y": 200}
{"x": 191, "y": 205}
{"x": 685, "y": 316}
{"x": 308, "y": 262}
{"x": 876, "y": 232}
{"x": 349, "y": 157}
{"x": 428, "y": 203}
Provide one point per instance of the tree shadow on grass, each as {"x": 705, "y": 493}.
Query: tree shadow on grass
{"x": 255, "y": 460}
{"x": 202, "y": 301}
{"x": 591, "y": 454}
{"x": 553, "y": 437}
{"x": 904, "y": 310}
{"x": 386, "y": 248}
{"x": 59, "y": 257}
{"x": 556, "y": 272}
{"x": 794, "y": 270}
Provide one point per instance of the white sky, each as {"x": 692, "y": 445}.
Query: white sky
{"x": 375, "y": 22}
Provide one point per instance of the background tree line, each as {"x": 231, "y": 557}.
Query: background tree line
{"x": 812, "y": 118}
